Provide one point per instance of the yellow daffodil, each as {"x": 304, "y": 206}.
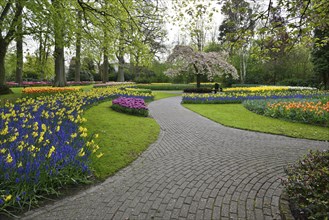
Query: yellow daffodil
{"x": 8, "y": 198}
{"x": 9, "y": 158}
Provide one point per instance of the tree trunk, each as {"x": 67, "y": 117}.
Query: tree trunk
{"x": 121, "y": 75}
{"x": 77, "y": 60}
{"x": 3, "y": 51}
{"x": 19, "y": 52}
{"x": 42, "y": 72}
{"x": 105, "y": 77}
{"x": 60, "y": 79}
{"x": 326, "y": 80}
{"x": 198, "y": 77}
{"x": 198, "y": 80}
{"x": 244, "y": 68}
{"x": 59, "y": 67}
{"x": 100, "y": 70}
{"x": 241, "y": 69}
{"x": 78, "y": 49}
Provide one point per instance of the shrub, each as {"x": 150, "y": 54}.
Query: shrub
{"x": 198, "y": 90}
{"x": 307, "y": 186}
{"x": 132, "y": 106}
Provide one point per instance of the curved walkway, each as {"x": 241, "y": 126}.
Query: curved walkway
{"x": 197, "y": 169}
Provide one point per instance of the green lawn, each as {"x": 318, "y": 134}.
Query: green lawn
{"x": 161, "y": 95}
{"x": 122, "y": 138}
{"x": 235, "y": 115}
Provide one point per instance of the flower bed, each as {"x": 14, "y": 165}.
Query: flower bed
{"x": 43, "y": 145}
{"x": 148, "y": 91}
{"x": 49, "y": 90}
{"x": 164, "y": 86}
{"x": 112, "y": 84}
{"x": 130, "y": 105}
{"x": 307, "y": 186}
{"x": 47, "y": 83}
{"x": 312, "y": 111}
{"x": 239, "y": 97}
{"x": 266, "y": 88}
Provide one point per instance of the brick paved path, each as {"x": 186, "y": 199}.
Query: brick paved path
{"x": 197, "y": 169}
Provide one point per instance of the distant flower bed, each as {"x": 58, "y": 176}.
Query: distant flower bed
{"x": 35, "y": 90}
{"x": 73, "y": 83}
{"x": 133, "y": 106}
{"x": 239, "y": 97}
{"x": 164, "y": 86}
{"x": 112, "y": 84}
{"x": 47, "y": 83}
{"x": 312, "y": 111}
{"x": 198, "y": 90}
{"x": 208, "y": 84}
{"x": 43, "y": 145}
{"x": 266, "y": 88}
{"x": 148, "y": 91}
{"x": 135, "y": 94}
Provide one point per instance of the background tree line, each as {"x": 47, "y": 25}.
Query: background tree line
{"x": 281, "y": 42}
{"x": 269, "y": 42}
{"x": 97, "y": 31}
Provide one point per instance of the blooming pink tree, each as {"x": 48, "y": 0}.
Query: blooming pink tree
{"x": 185, "y": 59}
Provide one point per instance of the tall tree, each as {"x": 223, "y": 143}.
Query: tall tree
{"x": 58, "y": 22}
{"x": 320, "y": 56}
{"x": 238, "y": 19}
{"x": 9, "y": 16}
{"x": 275, "y": 42}
{"x": 120, "y": 56}
{"x": 19, "y": 48}
{"x": 78, "y": 47}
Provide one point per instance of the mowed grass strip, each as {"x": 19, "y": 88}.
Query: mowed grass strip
{"x": 122, "y": 138}
{"x": 161, "y": 95}
{"x": 235, "y": 115}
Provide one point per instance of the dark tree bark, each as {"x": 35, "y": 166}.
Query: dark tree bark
{"x": 198, "y": 80}
{"x": 121, "y": 75}
{"x": 105, "y": 77}
{"x": 198, "y": 77}
{"x": 3, "y": 51}
{"x": 60, "y": 79}
{"x": 78, "y": 49}
{"x": 19, "y": 51}
{"x": 9, "y": 36}
{"x": 59, "y": 66}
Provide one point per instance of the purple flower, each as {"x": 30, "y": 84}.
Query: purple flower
{"x": 134, "y": 103}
